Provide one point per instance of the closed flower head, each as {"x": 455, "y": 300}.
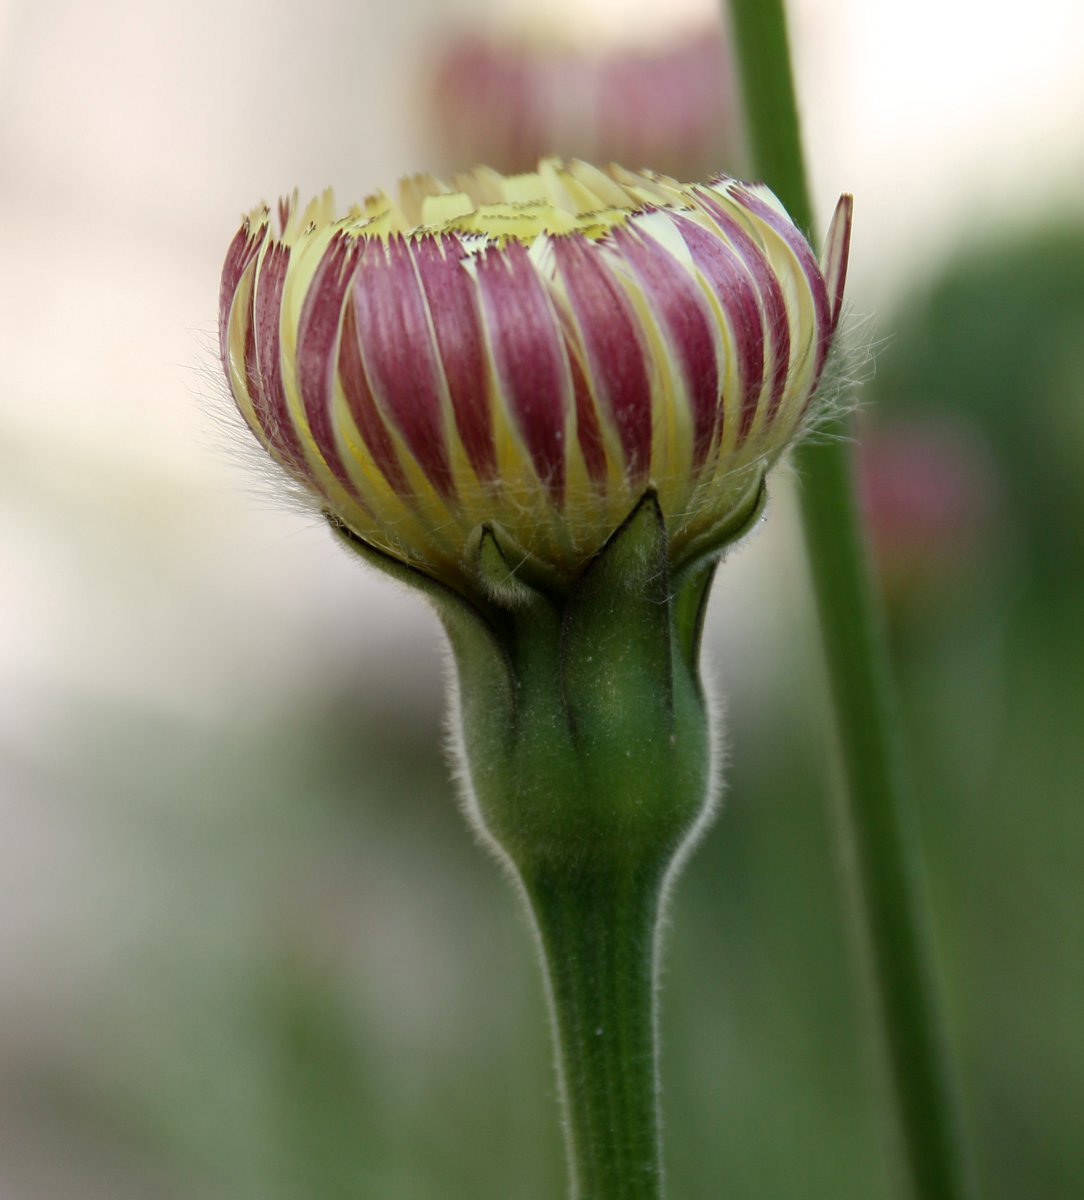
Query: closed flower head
{"x": 529, "y": 353}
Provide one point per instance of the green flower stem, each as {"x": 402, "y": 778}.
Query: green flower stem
{"x": 759, "y": 33}
{"x": 873, "y": 822}
{"x": 588, "y": 744}
{"x": 597, "y": 933}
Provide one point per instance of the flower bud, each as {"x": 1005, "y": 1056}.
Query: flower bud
{"x": 507, "y": 96}
{"x": 529, "y": 354}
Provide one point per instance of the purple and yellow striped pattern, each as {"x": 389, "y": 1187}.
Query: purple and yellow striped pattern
{"x": 530, "y": 351}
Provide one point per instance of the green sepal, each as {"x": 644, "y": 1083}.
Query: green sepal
{"x": 496, "y": 575}
{"x": 713, "y": 543}
{"x": 512, "y": 565}
{"x": 636, "y": 711}
{"x": 615, "y": 638}
{"x": 529, "y": 627}
{"x": 690, "y": 605}
{"x": 693, "y": 576}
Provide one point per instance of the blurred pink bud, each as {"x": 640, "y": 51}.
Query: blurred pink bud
{"x": 928, "y": 490}
{"x": 509, "y": 100}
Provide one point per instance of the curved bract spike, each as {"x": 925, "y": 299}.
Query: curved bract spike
{"x": 710, "y": 545}
{"x": 690, "y": 606}
{"x": 497, "y": 575}
{"x": 535, "y": 572}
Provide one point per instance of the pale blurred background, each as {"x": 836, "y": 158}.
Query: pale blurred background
{"x": 247, "y": 949}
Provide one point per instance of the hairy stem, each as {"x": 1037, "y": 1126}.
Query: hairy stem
{"x": 597, "y": 933}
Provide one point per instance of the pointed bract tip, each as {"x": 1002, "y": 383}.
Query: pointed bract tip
{"x": 837, "y": 249}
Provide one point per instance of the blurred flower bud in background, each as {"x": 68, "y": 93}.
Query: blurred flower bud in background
{"x": 929, "y": 492}
{"x": 510, "y": 96}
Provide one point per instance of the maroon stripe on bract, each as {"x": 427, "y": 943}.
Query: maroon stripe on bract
{"x": 452, "y": 299}
{"x": 269, "y": 402}
{"x": 239, "y": 256}
{"x": 615, "y": 357}
{"x": 734, "y": 290}
{"x": 588, "y": 432}
{"x": 359, "y": 399}
{"x": 677, "y": 300}
{"x": 252, "y": 370}
{"x": 810, "y": 269}
{"x": 317, "y": 333}
{"x": 775, "y": 321}
{"x": 529, "y": 357}
{"x": 400, "y": 354}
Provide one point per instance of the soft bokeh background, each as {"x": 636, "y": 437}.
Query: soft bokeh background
{"x": 247, "y": 949}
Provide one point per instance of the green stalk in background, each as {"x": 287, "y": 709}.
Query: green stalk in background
{"x": 873, "y": 822}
